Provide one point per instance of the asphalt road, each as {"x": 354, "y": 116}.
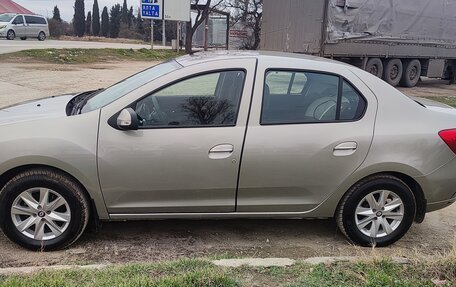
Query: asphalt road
{"x": 7, "y": 46}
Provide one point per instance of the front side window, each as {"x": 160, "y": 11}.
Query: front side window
{"x": 207, "y": 100}
{"x": 308, "y": 97}
{"x": 18, "y": 20}
{"x": 128, "y": 85}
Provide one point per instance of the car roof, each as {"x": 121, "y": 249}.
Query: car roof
{"x": 201, "y": 57}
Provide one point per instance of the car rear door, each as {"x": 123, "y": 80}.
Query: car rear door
{"x": 299, "y": 145}
{"x": 185, "y": 156}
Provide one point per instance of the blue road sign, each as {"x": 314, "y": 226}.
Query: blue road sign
{"x": 151, "y": 9}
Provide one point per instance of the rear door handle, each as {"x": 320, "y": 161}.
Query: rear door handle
{"x": 221, "y": 151}
{"x": 345, "y": 149}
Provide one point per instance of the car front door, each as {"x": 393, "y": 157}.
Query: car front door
{"x": 19, "y": 26}
{"x": 185, "y": 155}
{"x": 308, "y": 131}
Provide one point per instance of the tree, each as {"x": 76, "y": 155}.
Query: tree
{"x": 114, "y": 21}
{"x": 95, "y": 19}
{"x": 79, "y": 18}
{"x": 130, "y": 17}
{"x": 105, "y": 22}
{"x": 139, "y": 24}
{"x": 89, "y": 23}
{"x": 124, "y": 14}
{"x": 56, "y": 14}
{"x": 203, "y": 11}
{"x": 250, "y": 13}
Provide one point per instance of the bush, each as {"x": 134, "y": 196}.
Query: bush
{"x": 56, "y": 28}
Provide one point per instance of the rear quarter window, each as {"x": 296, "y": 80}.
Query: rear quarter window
{"x": 35, "y": 20}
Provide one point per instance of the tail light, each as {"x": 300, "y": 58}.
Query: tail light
{"x": 449, "y": 137}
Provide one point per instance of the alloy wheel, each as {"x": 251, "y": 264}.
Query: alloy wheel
{"x": 40, "y": 214}
{"x": 379, "y": 213}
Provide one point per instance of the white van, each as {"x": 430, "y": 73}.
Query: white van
{"x": 23, "y": 26}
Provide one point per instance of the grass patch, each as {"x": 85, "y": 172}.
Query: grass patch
{"x": 451, "y": 101}
{"x": 81, "y": 56}
{"x": 202, "y": 273}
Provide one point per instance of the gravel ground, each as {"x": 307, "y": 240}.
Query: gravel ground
{"x": 120, "y": 242}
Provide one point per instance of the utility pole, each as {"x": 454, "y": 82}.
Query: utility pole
{"x": 206, "y": 32}
{"x": 178, "y": 36}
{"x": 164, "y": 33}
{"x": 151, "y": 34}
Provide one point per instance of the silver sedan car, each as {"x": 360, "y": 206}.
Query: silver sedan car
{"x": 227, "y": 135}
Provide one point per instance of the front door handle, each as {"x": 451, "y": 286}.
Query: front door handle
{"x": 221, "y": 151}
{"x": 345, "y": 149}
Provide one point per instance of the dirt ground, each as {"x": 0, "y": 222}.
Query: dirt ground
{"x": 120, "y": 242}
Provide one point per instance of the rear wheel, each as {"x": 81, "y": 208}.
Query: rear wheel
{"x": 10, "y": 35}
{"x": 43, "y": 210}
{"x": 377, "y": 211}
{"x": 41, "y": 36}
{"x": 392, "y": 72}
{"x": 412, "y": 73}
{"x": 375, "y": 67}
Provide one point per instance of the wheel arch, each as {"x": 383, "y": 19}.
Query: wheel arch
{"x": 410, "y": 182}
{"x": 6, "y": 176}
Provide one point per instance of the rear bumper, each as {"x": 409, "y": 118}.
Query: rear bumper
{"x": 439, "y": 187}
{"x": 433, "y": 206}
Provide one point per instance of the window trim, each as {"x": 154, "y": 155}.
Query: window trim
{"x": 339, "y": 97}
{"x": 113, "y": 120}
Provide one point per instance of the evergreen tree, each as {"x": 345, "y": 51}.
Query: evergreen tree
{"x": 130, "y": 17}
{"x": 139, "y": 24}
{"x": 89, "y": 23}
{"x": 125, "y": 12}
{"x": 95, "y": 19}
{"x": 105, "y": 22}
{"x": 56, "y": 14}
{"x": 114, "y": 21}
{"x": 79, "y": 18}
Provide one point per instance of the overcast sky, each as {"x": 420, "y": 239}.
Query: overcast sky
{"x": 45, "y": 7}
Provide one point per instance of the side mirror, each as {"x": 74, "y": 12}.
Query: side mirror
{"x": 127, "y": 120}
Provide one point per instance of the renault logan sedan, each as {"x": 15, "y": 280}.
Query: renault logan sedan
{"x": 227, "y": 135}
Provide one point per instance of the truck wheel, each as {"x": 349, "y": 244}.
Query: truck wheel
{"x": 375, "y": 67}
{"x": 377, "y": 211}
{"x": 411, "y": 73}
{"x": 392, "y": 72}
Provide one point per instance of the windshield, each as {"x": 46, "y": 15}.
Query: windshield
{"x": 6, "y": 17}
{"x": 124, "y": 87}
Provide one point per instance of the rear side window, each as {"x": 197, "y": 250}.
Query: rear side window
{"x": 18, "y": 20}
{"x": 34, "y": 20}
{"x": 307, "y": 97}
{"x": 202, "y": 101}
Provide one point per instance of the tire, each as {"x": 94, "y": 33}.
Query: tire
{"x": 348, "y": 219}
{"x": 30, "y": 184}
{"x": 10, "y": 35}
{"x": 41, "y": 36}
{"x": 375, "y": 67}
{"x": 392, "y": 73}
{"x": 412, "y": 73}
{"x": 23, "y": 38}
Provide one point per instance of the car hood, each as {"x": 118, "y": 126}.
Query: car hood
{"x": 36, "y": 109}
{"x": 4, "y": 23}
{"x": 434, "y": 105}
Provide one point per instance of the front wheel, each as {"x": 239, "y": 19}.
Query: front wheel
{"x": 10, "y": 35}
{"x": 43, "y": 210}
{"x": 377, "y": 211}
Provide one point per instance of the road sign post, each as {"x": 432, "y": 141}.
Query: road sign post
{"x": 152, "y": 9}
